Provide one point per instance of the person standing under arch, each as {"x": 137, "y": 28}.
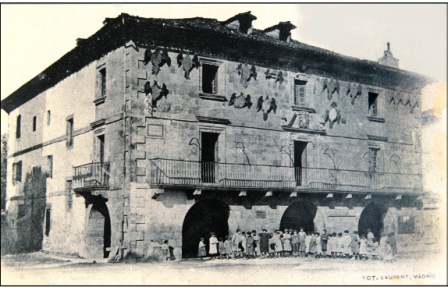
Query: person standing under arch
{"x": 213, "y": 246}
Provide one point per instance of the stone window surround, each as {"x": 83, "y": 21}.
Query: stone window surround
{"x": 220, "y": 90}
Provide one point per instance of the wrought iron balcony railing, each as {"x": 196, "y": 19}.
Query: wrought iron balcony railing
{"x": 195, "y": 174}
{"x": 91, "y": 176}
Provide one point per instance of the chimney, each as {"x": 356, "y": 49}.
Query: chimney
{"x": 241, "y": 22}
{"x": 281, "y": 31}
{"x": 388, "y": 59}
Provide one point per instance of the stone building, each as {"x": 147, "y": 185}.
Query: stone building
{"x": 156, "y": 129}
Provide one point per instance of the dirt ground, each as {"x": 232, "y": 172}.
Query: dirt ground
{"x": 47, "y": 268}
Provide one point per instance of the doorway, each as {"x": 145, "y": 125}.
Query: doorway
{"x": 98, "y": 235}
{"x": 300, "y": 162}
{"x": 209, "y": 152}
{"x": 204, "y": 217}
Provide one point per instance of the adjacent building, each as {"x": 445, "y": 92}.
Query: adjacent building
{"x": 155, "y": 129}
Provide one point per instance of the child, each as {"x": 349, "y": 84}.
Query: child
{"x": 243, "y": 244}
{"x": 222, "y": 249}
{"x": 264, "y": 243}
{"x": 165, "y": 250}
{"x": 228, "y": 245}
{"x": 286, "y": 240}
{"x": 295, "y": 243}
{"x": 278, "y": 244}
{"x": 330, "y": 250}
{"x": 393, "y": 243}
{"x": 318, "y": 245}
{"x": 312, "y": 245}
{"x": 355, "y": 245}
{"x": 256, "y": 243}
{"x": 249, "y": 245}
{"x": 363, "y": 247}
{"x": 324, "y": 242}
{"x": 375, "y": 249}
{"x": 307, "y": 243}
{"x": 339, "y": 242}
{"x": 271, "y": 245}
{"x": 346, "y": 245}
{"x": 302, "y": 246}
{"x": 236, "y": 244}
{"x": 213, "y": 246}
{"x": 202, "y": 251}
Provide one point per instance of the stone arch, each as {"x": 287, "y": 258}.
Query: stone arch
{"x": 204, "y": 217}
{"x": 372, "y": 217}
{"x": 98, "y": 230}
{"x": 302, "y": 213}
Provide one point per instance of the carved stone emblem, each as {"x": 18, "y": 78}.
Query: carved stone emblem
{"x": 303, "y": 120}
{"x": 240, "y": 101}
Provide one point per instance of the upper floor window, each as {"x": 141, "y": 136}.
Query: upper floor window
{"x": 70, "y": 131}
{"x": 48, "y": 117}
{"x": 373, "y": 104}
{"x": 209, "y": 78}
{"x": 373, "y": 155}
{"x": 68, "y": 194}
{"x": 34, "y": 123}
{"x": 18, "y": 126}
{"x": 299, "y": 93}
{"x": 103, "y": 82}
{"x": 50, "y": 166}
{"x": 17, "y": 172}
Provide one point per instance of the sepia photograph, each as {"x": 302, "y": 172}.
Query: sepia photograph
{"x": 223, "y": 144}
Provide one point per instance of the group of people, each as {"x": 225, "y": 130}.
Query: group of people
{"x": 299, "y": 243}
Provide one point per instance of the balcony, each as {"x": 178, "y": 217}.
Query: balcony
{"x": 91, "y": 176}
{"x": 167, "y": 173}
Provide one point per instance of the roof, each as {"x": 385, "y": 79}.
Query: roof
{"x": 194, "y": 34}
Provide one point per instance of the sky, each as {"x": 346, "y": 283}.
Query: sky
{"x": 36, "y": 35}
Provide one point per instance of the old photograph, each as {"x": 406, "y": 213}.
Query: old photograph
{"x": 273, "y": 144}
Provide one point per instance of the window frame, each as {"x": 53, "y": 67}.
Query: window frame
{"x": 70, "y": 131}
{"x": 301, "y": 94}
{"x": 103, "y": 82}
{"x": 34, "y": 123}
{"x": 214, "y": 82}
{"x": 19, "y": 127}
{"x": 50, "y": 166}
{"x": 373, "y": 105}
{"x": 69, "y": 194}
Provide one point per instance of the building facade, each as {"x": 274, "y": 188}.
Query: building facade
{"x": 155, "y": 129}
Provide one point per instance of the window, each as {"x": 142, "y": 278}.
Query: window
{"x": 18, "y": 126}
{"x": 48, "y": 117}
{"x": 47, "y": 222}
{"x": 17, "y": 172}
{"x": 373, "y": 153}
{"x": 68, "y": 194}
{"x": 101, "y": 148}
{"x": 70, "y": 124}
{"x": 373, "y": 104}
{"x": 300, "y": 162}
{"x": 103, "y": 82}
{"x": 406, "y": 224}
{"x": 209, "y": 78}
{"x": 299, "y": 93}
{"x": 34, "y": 123}
{"x": 50, "y": 166}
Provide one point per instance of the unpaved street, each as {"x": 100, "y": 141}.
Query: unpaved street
{"x": 39, "y": 268}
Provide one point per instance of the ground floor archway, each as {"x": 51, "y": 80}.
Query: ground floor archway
{"x": 302, "y": 214}
{"x": 206, "y": 216}
{"x": 372, "y": 217}
{"x": 98, "y": 235}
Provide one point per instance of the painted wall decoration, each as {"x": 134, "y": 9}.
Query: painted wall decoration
{"x": 398, "y": 100}
{"x": 154, "y": 94}
{"x": 331, "y": 87}
{"x": 332, "y": 115}
{"x": 270, "y": 75}
{"x": 279, "y": 77}
{"x": 266, "y": 105}
{"x": 247, "y": 73}
{"x": 157, "y": 58}
{"x": 187, "y": 63}
{"x": 354, "y": 91}
{"x": 240, "y": 101}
